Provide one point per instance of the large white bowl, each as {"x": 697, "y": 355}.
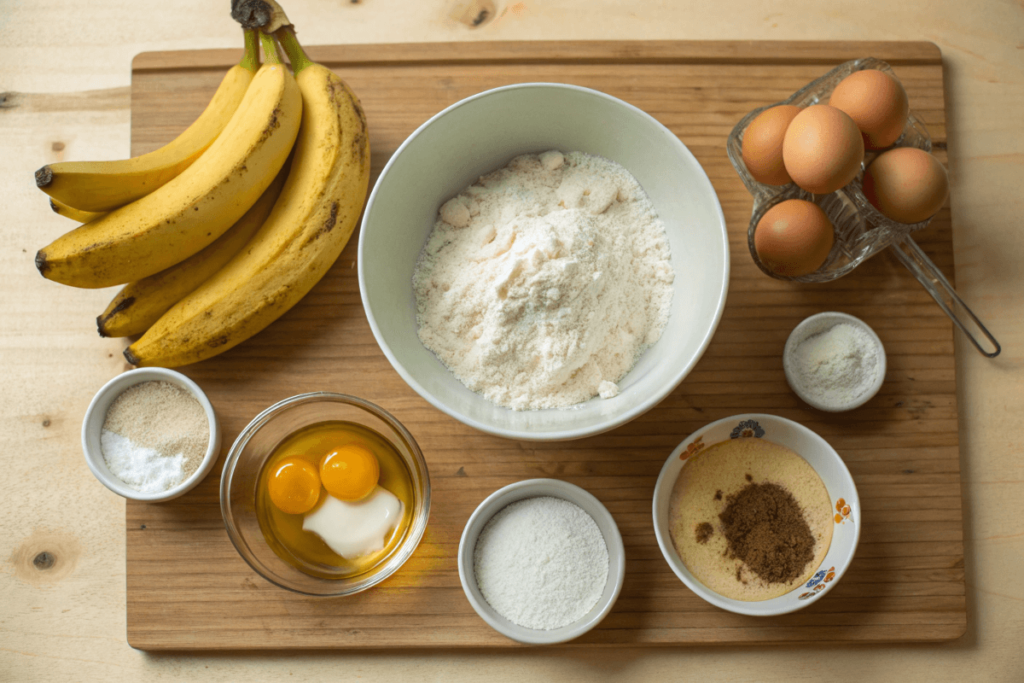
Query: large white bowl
{"x": 826, "y": 463}
{"x": 483, "y": 133}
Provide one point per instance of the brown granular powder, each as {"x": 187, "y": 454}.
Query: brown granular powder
{"x": 162, "y": 416}
{"x": 765, "y": 528}
{"x": 704, "y": 532}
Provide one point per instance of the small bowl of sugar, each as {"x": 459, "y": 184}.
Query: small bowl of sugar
{"x": 541, "y": 561}
{"x": 834, "y": 361}
{"x": 150, "y": 435}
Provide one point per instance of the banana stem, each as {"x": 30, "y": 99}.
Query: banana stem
{"x": 296, "y": 55}
{"x": 270, "y": 51}
{"x": 251, "y": 56}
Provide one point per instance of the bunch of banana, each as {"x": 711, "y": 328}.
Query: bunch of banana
{"x": 216, "y": 234}
{"x": 300, "y": 240}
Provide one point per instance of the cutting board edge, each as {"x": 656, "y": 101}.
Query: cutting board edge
{"x": 764, "y": 52}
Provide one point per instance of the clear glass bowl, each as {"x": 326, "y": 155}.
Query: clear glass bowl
{"x": 861, "y": 231}
{"x": 257, "y": 442}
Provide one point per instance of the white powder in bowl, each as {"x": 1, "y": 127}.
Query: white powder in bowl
{"x": 144, "y": 469}
{"x": 542, "y": 283}
{"x": 155, "y": 435}
{"x": 836, "y": 367}
{"x": 541, "y": 563}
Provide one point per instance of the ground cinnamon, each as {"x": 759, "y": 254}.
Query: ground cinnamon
{"x": 704, "y": 532}
{"x": 765, "y": 528}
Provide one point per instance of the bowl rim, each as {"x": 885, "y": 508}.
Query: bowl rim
{"x": 416, "y": 529}
{"x": 565, "y": 434}
{"x": 798, "y": 335}
{"x": 116, "y": 386}
{"x": 707, "y": 594}
{"x": 498, "y": 501}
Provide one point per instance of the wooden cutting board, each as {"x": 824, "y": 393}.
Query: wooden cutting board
{"x": 188, "y": 588}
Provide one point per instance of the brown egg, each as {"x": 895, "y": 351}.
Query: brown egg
{"x": 762, "y": 144}
{"x": 793, "y": 238}
{"x": 823, "y": 149}
{"x": 906, "y": 184}
{"x": 876, "y": 102}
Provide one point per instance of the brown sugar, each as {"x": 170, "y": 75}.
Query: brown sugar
{"x": 704, "y": 532}
{"x": 765, "y": 528}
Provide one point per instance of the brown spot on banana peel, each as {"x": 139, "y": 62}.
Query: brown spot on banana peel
{"x": 44, "y": 176}
{"x": 218, "y": 341}
{"x": 272, "y": 124}
{"x": 328, "y": 225}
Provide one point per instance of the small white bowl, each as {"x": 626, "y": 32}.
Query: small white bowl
{"x": 825, "y": 461}
{"x": 96, "y": 414}
{"x": 816, "y": 324}
{"x": 483, "y": 133}
{"x": 532, "y": 488}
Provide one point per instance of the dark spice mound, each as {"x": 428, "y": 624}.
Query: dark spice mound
{"x": 704, "y": 532}
{"x": 765, "y": 527}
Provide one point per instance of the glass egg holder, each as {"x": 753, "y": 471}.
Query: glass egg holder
{"x": 861, "y": 231}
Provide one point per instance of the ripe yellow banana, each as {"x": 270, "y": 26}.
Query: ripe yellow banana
{"x": 107, "y": 185}
{"x": 309, "y": 226}
{"x": 191, "y": 211}
{"x": 141, "y": 303}
{"x": 73, "y": 213}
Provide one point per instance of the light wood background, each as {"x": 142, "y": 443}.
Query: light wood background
{"x": 66, "y": 66}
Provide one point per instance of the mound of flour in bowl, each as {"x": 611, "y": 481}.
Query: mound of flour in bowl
{"x": 542, "y": 283}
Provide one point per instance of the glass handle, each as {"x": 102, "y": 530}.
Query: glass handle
{"x": 938, "y": 286}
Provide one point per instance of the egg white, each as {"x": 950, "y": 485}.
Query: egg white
{"x": 354, "y": 529}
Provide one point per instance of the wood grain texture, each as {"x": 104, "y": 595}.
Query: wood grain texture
{"x": 188, "y": 589}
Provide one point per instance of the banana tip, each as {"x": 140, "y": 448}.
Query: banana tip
{"x": 131, "y": 357}
{"x": 99, "y": 326}
{"x": 44, "y": 176}
{"x": 42, "y": 265}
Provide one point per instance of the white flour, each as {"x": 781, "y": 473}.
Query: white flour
{"x": 541, "y": 562}
{"x": 542, "y": 283}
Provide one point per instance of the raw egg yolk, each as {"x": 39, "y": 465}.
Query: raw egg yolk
{"x": 294, "y": 485}
{"x": 350, "y": 472}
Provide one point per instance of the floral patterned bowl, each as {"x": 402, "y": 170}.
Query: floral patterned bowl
{"x": 825, "y": 461}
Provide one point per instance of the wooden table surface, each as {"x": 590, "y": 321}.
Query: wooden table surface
{"x": 64, "y": 70}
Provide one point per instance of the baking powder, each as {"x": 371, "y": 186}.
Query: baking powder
{"x": 836, "y": 367}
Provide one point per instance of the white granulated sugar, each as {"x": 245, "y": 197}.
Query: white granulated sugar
{"x": 542, "y": 283}
{"x": 838, "y": 366}
{"x": 541, "y": 563}
{"x": 140, "y": 468}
